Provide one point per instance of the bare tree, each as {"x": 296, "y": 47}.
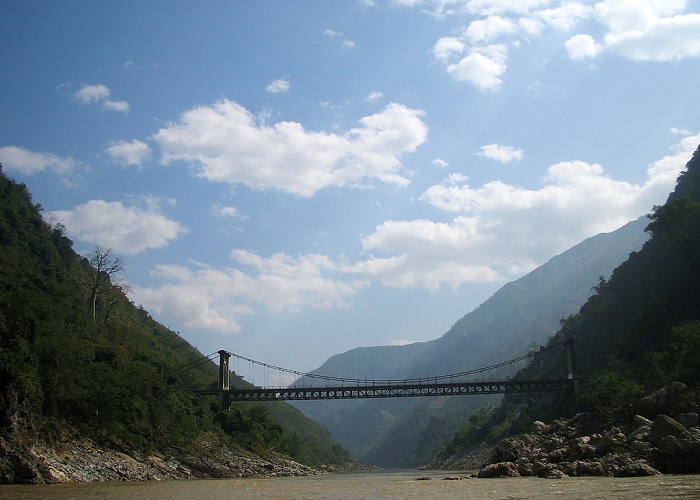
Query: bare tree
{"x": 98, "y": 277}
{"x": 118, "y": 289}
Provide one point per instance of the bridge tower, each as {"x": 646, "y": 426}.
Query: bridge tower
{"x": 570, "y": 374}
{"x": 224, "y": 378}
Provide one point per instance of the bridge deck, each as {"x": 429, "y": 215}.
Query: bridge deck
{"x": 395, "y": 390}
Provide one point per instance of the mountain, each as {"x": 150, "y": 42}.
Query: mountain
{"x": 523, "y": 313}
{"x": 78, "y": 361}
{"x": 636, "y": 338}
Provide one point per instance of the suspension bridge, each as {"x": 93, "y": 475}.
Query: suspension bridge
{"x": 313, "y": 386}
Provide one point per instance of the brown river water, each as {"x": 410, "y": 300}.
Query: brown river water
{"x": 392, "y": 484}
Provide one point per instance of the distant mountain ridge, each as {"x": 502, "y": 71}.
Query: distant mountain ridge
{"x": 404, "y": 433}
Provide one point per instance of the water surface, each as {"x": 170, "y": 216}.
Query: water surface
{"x": 393, "y": 484}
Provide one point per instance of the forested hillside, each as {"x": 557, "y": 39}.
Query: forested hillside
{"x": 639, "y": 333}
{"x": 527, "y": 311}
{"x": 79, "y": 360}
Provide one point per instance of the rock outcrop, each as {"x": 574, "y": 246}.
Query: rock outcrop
{"x": 580, "y": 447}
{"x": 81, "y": 460}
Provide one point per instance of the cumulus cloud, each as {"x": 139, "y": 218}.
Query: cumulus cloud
{"x": 99, "y": 94}
{"x": 126, "y": 229}
{"x": 129, "y": 153}
{"x": 639, "y": 30}
{"x": 27, "y": 162}
{"x": 374, "y": 96}
{"x": 582, "y": 47}
{"x": 279, "y": 86}
{"x": 642, "y": 30}
{"x": 503, "y": 154}
{"x": 482, "y": 66}
{"x": 226, "y": 143}
{"x": 497, "y": 232}
{"x": 447, "y": 47}
{"x": 500, "y": 231}
{"x": 485, "y": 30}
{"x": 217, "y": 298}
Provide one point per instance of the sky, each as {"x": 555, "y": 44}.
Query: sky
{"x": 292, "y": 179}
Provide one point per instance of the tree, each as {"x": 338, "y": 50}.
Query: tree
{"x": 118, "y": 289}
{"x": 103, "y": 266}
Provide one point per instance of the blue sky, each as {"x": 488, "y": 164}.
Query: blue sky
{"x": 292, "y": 179}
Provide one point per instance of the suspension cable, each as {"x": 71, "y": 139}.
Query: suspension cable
{"x": 358, "y": 381}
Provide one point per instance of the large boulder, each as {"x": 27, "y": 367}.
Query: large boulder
{"x": 500, "y": 469}
{"x": 664, "y": 400}
{"x": 638, "y": 468}
{"x": 665, "y": 426}
{"x": 679, "y": 454}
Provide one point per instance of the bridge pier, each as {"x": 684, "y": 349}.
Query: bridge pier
{"x": 224, "y": 379}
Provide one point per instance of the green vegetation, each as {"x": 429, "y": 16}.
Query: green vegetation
{"x": 77, "y": 358}
{"x": 639, "y": 332}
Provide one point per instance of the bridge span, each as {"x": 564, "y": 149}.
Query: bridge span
{"x": 392, "y": 390}
{"x": 333, "y": 388}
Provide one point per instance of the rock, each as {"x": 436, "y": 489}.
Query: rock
{"x": 541, "y": 468}
{"x": 500, "y": 469}
{"x": 639, "y": 448}
{"x": 665, "y": 426}
{"x": 587, "y": 468}
{"x": 509, "y": 450}
{"x": 423, "y": 478}
{"x": 640, "y": 434}
{"x": 539, "y": 427}
{"x": 688, "y": 420}
{"x": 637, "y": 468}
{"x": 555, "y": 474}
{"x": 662, "y": 401}
{"x": 639, "y": 421}
{"x": 524, "y": 467}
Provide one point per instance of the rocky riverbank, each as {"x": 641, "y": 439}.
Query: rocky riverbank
{"x": 578, "y": 447}
{"x": 655, "y": 440}
{"x": 81, "y": 460}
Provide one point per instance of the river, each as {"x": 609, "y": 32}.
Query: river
{"x": 393, "y": 484}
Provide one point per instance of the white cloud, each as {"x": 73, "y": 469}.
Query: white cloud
{"x": 129, "y": 153}
{"x": 498, "y": 233}
{"x": 226, "y": 211}
{"x": 668, "y": 39}
{"x": 216, "y": 298}
{"x": 678, "y": 131}
{"x": 90, "y": 94}
{"x": 126, "y": 229}
{"x": 445, "y": 48}
{"x": 639, "y": 30}
{"x": 482, "y": 67}
{"x": 226, "y": 144}
{"x": 503, "y": 154}
{"x": 642, "y": 30}
{"x": 440, "y": 163}
{"x": 501, "y": 231}
{"x": 374, "y": 96}
{"x": 28, "y": 162}
{"x": 96, "y": 94}
{"x": 345, "y": 43}
{"x": 121, "y": 106}
{"x": 278, "y": 86}
{"x": 486, "y": 30}
{"x": 582, "y": 47}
